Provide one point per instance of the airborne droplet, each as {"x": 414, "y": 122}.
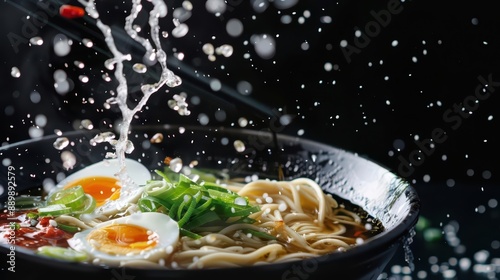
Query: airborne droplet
{"x": 68, "y": 159}
{"x": 61, "y": 143}
{"x": 180, "y": 31}
{"x": 176, "y": 164}
{"x": 140, "y": 68}
{"x": 239, "y": 146}
{"x": 87, "y": 124}
{"x": 14, "y": 72}
{"x": 37, "y": 41}
{"x": 225, "y": 50}
{"x": 157, "y": 138}
{"x": 88, "y": 43}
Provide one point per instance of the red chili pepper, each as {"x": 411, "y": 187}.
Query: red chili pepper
{"x": 70, "y": 11}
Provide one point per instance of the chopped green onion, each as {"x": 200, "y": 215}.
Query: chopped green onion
{"x": 28, "y": 202}
{"x": 152, "y": 204}
{"x": 190, "y": 234}
{"x": 54, "y": 210}
{"x": 188, "y": 213}
{"x": 199, "y": 220}
{"x": 259, "y": 234}
{"x": 71, "y": 197}
{"x": 66, "y": 254}
{"x": 68, "y": 228}
{"x": 88, "y": 205}
{"x": 194, "y": 205}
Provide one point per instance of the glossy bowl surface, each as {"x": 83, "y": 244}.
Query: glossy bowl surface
{"x": 342, "y": 173}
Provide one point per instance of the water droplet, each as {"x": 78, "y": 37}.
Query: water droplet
{"x": 79, "y": 64}
{"x": 220, "y": 115}
{"x": 242, "y": 122}
{"x": 60, "y": 75}
{"x": 62, "y": 87}
{"x": 87, "y": 43}
{"x": 179, "y": 56}
{"x": 285, "y": 4}
{"x": 87, "y": 124}
{"x": 84, "y": 79}
{"x": 137, "y": 28}
{"x": 61, "y": 143}
{"x": 286, "y": 119}
{"x": 180, "y": 31}
{"x": 157, "y": 138}
{"x": 182, "y": 14}
{"x": 225, "y": 50}
{"x": 244, "y": 87}
{"x": 326, "y": 19}
{"x": 140, "y": 68}
{"x": 14, "y": 72}
{"x": 328, "y": 66}
{"x": 37, "y": 41}
{"x": 215, "y": 84}
{"x": 62, "y": 45}
{"x": 176, "y": 164}
{"x": 68, "y": 159}
{"x": 215, "y": 6}
{"x": 239, "y": 146}
{"x": 260, "y": 6}
{"x": 102, "y": 137}
{"x": 234, "y": 27}
{"x": 187, "y": 5}
{"x": 208, "y": 48}
{"x": 106, "y": 77}
{"x": 264, "y": 45}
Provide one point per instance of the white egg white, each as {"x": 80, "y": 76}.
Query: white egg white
{"x": 136, "y": 171}
{"x": 166, "y": 229}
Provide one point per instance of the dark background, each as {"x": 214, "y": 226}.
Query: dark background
{"x": 382, "y": 101}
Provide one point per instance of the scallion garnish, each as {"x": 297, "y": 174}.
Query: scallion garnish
{"x": 193, "y": 204}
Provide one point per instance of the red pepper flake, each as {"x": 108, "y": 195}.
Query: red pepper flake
{"x": 71, "y": 12}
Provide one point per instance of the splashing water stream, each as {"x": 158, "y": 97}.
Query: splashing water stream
{"x": 124, "y": 146}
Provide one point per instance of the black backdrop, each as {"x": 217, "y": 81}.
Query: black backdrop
{"x": 419, "y": 70}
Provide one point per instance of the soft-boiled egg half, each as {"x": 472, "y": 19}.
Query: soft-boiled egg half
{"x": 100, "y": 181}
{"x": 148, "y": 236}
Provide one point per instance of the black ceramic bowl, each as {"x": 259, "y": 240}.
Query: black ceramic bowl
{"x": 341, "y": 173}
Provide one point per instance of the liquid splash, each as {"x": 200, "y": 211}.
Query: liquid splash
{"x": 154, "y": 54}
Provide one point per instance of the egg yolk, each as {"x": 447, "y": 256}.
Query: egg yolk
{"x": 101, "y": 188}
{"x": 121, "y": 239}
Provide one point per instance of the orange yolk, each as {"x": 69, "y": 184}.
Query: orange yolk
{"x": 101, "y": 188}
{"x": 121, "y": 239}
